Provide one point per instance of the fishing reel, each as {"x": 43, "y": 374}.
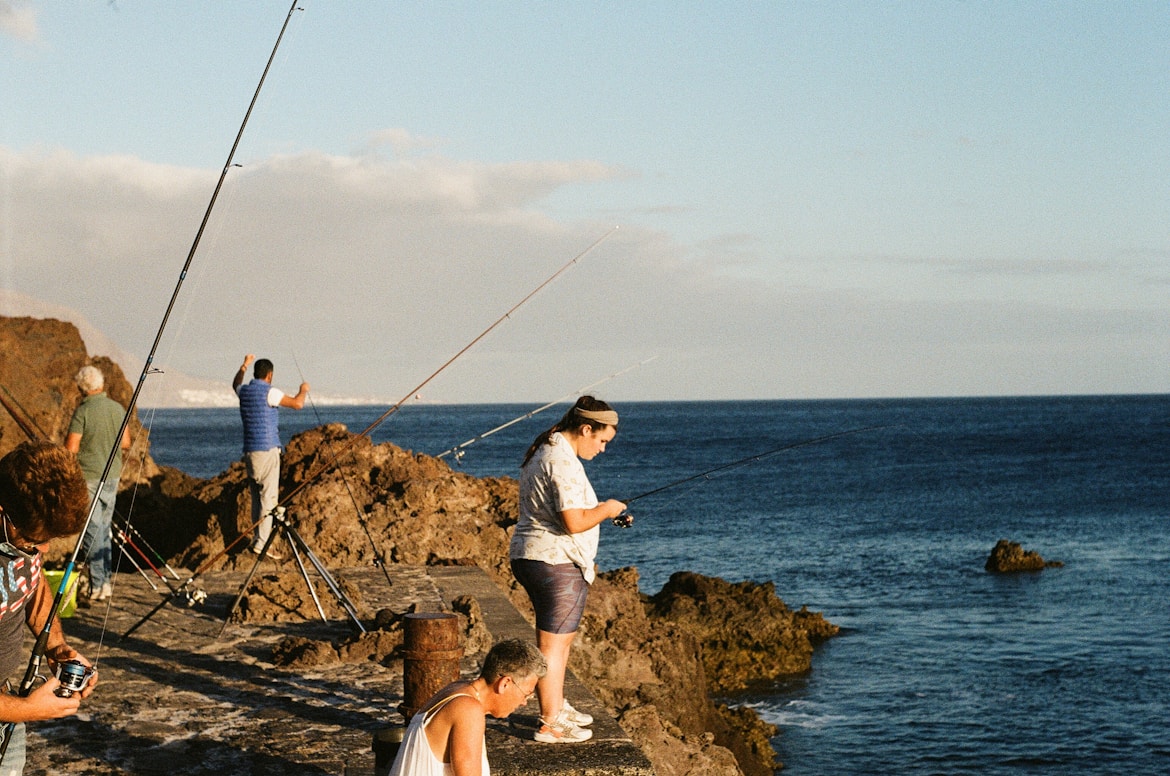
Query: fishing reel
{"x": 624, "y": 520}
{"x": 195, "y": 597}
{"x": 73, "y": 676}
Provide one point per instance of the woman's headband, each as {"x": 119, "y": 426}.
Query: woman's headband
{"x": 604, "y": 417}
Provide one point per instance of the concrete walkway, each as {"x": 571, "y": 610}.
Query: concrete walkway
{"x": 176, "y": 698}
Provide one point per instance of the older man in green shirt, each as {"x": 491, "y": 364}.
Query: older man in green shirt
{"x": 93, "y": 433}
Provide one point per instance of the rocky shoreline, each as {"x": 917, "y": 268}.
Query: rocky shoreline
{"x": 655, "y": 662}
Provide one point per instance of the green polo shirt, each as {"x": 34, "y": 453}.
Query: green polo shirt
{"x": 98, "y": 419}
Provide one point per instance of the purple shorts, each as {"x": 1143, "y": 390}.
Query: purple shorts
{"x": 558, "y": 593}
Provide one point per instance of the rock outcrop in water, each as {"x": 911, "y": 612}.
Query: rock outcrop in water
{"x": 1009, "y": 557}
{"x": 654, "y": 661}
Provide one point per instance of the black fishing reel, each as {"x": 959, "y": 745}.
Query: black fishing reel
{"x": 73, "y": 676}
{"x": 624, "y": 520}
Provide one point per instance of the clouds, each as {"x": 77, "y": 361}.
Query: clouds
{"x": 368, "y": 272}
{"x": 18, "y": 20}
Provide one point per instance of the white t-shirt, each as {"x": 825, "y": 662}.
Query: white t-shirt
{"x": 273, "y": 396}
{"x": 553, "y": 481}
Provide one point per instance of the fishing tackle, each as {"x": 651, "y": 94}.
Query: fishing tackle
{"x": 22, "y": 417}
{"x": 379, "y": 556}
{"x": 41, "y": 644}
{"x": 125, "y": 544}
{"x": 459, "y": 449}
{"x": 73, "y": 675}
{"x": 626, "y": 519}
{"x": 335, "y": 458}
{"x": 131, "y": 534}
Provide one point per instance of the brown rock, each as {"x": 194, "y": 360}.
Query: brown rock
{"x": 747, "y": 633}
{"x": 38, "y": 394}
{"x": 654, "y": 662}
{"x": 1009, "y": 557}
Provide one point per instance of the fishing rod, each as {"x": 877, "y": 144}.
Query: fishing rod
{"x": 379, "y": 556}
{"x": 38, "y": 652}
{"x": 131, "y": 533}
{"x": 625, "y": 519}
{"x": 459, "y": 449}
{"x": 23, "y": 419}
{"x": 314, "y": 474}
{"x": 122, "y": 540}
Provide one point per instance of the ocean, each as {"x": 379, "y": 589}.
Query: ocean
{"x": 940, "y": 667}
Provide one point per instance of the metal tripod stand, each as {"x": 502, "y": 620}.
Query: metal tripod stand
{"x": 297, "y": 545}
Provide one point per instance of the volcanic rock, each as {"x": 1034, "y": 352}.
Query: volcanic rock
{"x": 747, "y": 633}
{"x": 654, "y": 662}
{"x": 371, "y": 502}
{"x": 1009, "y": 557}
{"x": 38, "y": 394}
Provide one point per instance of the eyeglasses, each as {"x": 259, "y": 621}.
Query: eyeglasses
{"x": 526, "y": 693}
{"x": 13, "y": 536}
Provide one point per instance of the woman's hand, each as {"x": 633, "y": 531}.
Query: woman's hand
{"x": 581, "y": 520}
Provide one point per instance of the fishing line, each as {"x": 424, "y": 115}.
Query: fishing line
{"x": 320, "y": 470}
{"x": 626, "y": 519}
{"x": 458, "y": 449}
{"x": 41, "y": 644}
{"x": 379, "y": 557}
{"x": 132, "y": 533}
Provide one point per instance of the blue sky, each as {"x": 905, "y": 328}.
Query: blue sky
{"x": 814, "y": 199}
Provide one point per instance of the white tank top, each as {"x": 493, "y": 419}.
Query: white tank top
{"x": 415, "y": 757}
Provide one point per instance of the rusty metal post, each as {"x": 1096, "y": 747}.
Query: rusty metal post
{"x": 431, "y": 657}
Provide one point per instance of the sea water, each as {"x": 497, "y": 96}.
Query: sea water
{"x": 881, "y": 514}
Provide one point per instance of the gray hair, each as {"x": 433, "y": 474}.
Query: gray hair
{"x": 516, "y": 658}
{"x": 90, "y": 379}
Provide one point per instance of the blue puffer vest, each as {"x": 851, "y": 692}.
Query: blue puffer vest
{"x": 260, "y": 420}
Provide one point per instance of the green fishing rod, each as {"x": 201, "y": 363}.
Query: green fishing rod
{"x": 335, "y": 458}
{"x": 38, "y": 652}
{"x": 626, "y": 519}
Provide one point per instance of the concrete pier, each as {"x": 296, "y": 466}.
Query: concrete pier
{"x": 178, "y": 699}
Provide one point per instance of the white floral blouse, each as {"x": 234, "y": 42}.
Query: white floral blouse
{"x": 553, "y": 481}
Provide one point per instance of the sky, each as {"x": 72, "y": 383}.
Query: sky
{"x": 795, "y": 200}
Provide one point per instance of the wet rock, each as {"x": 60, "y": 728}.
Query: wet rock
{"x": 1009, "y": 557}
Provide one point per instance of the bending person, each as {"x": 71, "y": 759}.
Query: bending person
{"x": 554, "y": 545}
{"x": 43, "y": 496}
{"x": 446, "y": 736}
{"x": 259, "y": 410}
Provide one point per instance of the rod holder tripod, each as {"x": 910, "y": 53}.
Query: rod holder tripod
{"x": 300, "y": 552}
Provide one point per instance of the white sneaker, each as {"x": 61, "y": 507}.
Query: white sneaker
{"x": 578, "y": 718}
{"x": 103, "y": 593}
{"x": 561, "y": 731}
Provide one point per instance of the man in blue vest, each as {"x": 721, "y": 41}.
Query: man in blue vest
{"x": 259, "y": 409}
